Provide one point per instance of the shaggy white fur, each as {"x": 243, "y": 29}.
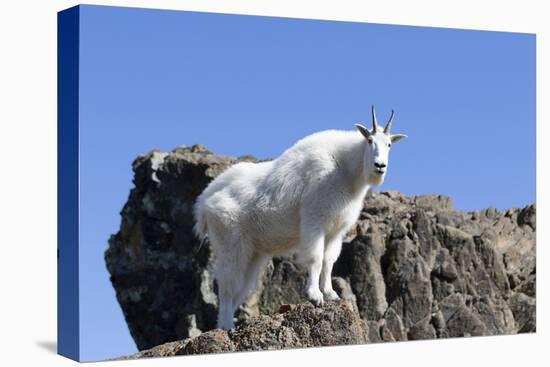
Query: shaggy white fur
{"x": 301, "y": 203}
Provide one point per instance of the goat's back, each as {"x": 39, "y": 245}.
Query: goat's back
{"x": 263, "y": 201}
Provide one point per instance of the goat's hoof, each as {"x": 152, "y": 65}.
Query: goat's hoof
{"x": 315, "y": 296}
{"x": 331, "y": 295}
{"x": 226, "y": 326}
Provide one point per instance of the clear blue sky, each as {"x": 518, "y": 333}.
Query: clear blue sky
{"x": 254, "y": 85}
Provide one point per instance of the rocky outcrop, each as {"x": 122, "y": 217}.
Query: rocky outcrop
{"x": 412, "y": 268}
{"x": 293, "y": 326}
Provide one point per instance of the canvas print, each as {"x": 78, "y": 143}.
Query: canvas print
{"x": 235, "y": 183}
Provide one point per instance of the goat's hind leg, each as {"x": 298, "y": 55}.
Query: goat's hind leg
{"x": 225, "y": 294}
{"x": 252, "y": 274}
{"x": 225, "y": 307}
{"x": 229, "y": 269}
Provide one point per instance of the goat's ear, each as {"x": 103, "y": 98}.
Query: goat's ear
{"x": 395, "y": 138}
{"x": 363, "y": 130}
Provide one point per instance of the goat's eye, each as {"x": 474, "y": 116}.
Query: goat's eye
{"x": 370, "y": 141}
{"x": 389, "y": 145}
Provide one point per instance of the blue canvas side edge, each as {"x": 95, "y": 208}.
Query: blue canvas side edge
{"x": 68, "y": 337}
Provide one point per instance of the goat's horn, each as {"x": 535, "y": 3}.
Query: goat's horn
{"x": 388, "y": 125}
{"x": 374, "y": 122}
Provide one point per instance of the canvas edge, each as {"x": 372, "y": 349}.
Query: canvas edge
{"x": 68, "y": 330}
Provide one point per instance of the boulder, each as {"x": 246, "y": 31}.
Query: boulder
{"x": 296, "y": 326}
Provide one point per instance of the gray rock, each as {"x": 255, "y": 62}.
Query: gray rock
{"x": 524, "y": 310}
{"x": 411, "y": 268}
{"x": 302, "y": 326}
{"x": 163, "y": 350}
{"x": 161, "y": 276}
{"x": 283, "y": 282}
{"x": 527, "y": 216}
{"x": 360, "y": 261}
{"x": 214, "y": 341}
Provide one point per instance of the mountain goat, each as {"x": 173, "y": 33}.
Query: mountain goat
{"x": 301, "y": 203}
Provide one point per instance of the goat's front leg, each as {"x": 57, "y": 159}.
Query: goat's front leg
{"x": 310, "y": 253}
{"x": 332, "y": 251}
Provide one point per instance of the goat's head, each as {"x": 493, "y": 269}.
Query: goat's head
{"x": 378, "y": 144}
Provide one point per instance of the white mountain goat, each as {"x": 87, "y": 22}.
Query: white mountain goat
{"x": 301, "y": 203}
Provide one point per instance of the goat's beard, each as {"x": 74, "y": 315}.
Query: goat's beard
{"x": 376, "y": 179}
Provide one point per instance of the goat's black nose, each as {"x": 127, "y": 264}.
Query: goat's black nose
{"x": 379, "y": 165}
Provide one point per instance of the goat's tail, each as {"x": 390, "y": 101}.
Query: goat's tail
{"x": 200, "y": 228}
